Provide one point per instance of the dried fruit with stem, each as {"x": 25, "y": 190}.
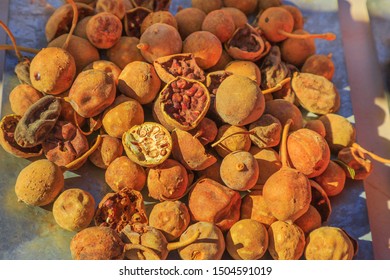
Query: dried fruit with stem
{"x": 231, "y": 138}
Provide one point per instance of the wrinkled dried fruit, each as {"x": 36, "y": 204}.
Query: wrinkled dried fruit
{"x": 206, "y": 131}
{"x": 148, "y": 144}
{"x": 309, "y": 221}
{"x": 189, "y": 20}
{"x": 105, "y": 66}
{"x": 267, "y": 131}
{"x": 245, "y": 68}
{"x": 268, "y": 160}
{"x": 97, "y": 243}
{"x": 212, "y": 202}
{"x": 74, "y": 209}
{"x": 273, "y": 69}
{"x": 125, "y": 51}
{"x": 110, "y": 149}
{"x": 133, "y": 21}
{"x": 117, "y": 210}
{"x": 37, "y": 122}
{"x": 332, "y": 180}
{"x": 104, "y": 30}
{"x": 254, "y": 206}
{"x": 319, "y": 64}
{"x": 22, "y": 71}
{"x": 158, "y": 17}
{"x": 154, "y": 5}
{"x": 356, "y": 160}
{"x": 22, "y": 97}
{"x": 116, "y": 7}
{"x": 39, "y": 183}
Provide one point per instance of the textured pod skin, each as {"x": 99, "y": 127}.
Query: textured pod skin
{"x": 110, "y": 149}
{"x": 319, "y": 64}
{"x": 97, "y": 243}
{"x": 125, "y": 51}
{"x": 309, "y": 221}
{"x": 116, "y": 7}
{"x": 274, "y": 19}
{"x": 268, "y": 131}
{"x": 245, "y": 68}
{"x": 269, "y": 162}
{"x": 284, "y": 110}
{"x": 22, "y": 97}
{"x": 254, "y": 206}
{"x": 158, "y": 17}
{"x": 238, "y": 142}
{"x": 37, "y": 122}
{"x": 104, "y": 30}
{"x": 189, "y": 20}
{"x": 220, "y": 23}
{"x": 39, "y": 183}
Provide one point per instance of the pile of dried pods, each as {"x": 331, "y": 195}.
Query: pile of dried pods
{"x": 201, "y": 111}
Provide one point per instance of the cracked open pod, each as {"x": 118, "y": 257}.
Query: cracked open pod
{"x": 184, "y": 102}
{"x": 148, "y": 144}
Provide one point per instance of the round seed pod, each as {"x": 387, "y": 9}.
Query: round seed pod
{"x": 153, "y": 43}
{"x": 254, "y": 206}
{"x": 332, "y": 180}
{"x": 110, "y": 149}
{"x": 309, "y": 221}
{"x": 246, "y": 6}
{"x": 239, "y": 100}
{"x": 296, "y": 51}
{"x": 209, "y": 201}
{"x": 116, "y": 7}
{"x": 267, "y": 131}
{"x": 340, "y": 133}
{"x": 106, "y": 66}
{"x": 96, "y": 243}
{"x": 171, "y": 217}
{"x": 319, "y": 64}
{"x": 189, "y": 20}
{"x": 104, "y": 30}
{"x": 123, "y": 173}
{"x": 283, "y": 111}
{"x": 239, "y": 17}
{"x": 297, "y": 15}
{"x": 205, "y": 46}
{"x": 148, "y": 144}
{"x": 207, "y": 6}
{"x": 247, "y": 240}
{"x": 74, "y": 209}
{"x": 245, "y": 68}
{"x": 209, "y": 246}
{"x": 274, "y": 19}
{"x": 81, "y": 28}
{"x": 52, "y": 70}
{"x": 22, "y": 97}
{"x": 286, "y": 241}
{"x": 269, "y": 162}
{"x": 223, "y": 61}
{"x": 167, "y": 181}
{"x": 317, "y": 126}
{"x": 39, "y": 183}
{"x": 239, "y": 170}
{"x": 206, "y": 131}
{"x": 158, "y": 17}
{"x": 328, "y": 243}
{"x": 212, "y": 172}
{"x": 125, "y": 51}
{"x": 220, "y": 23}
{"x": 237, "y": 139}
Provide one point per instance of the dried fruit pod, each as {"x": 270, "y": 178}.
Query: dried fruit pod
{"x": 207, "y": 6}
{"x": 171, "y": 217}
{"x": 332, "y": 180}
{"x": 178, "y": 65}
{"x": 64, "y": 144}
{"x": 110, "y": 149}
{"x": 328, "y": 243}
{"x": 158, "y": 17}
{"x": 159, "y": 117}
{"x": 247, "y": 240}
{"x": 39, "y": 119}
{"x": 167, "y": 181}
{"x": 356, "y": 160}
{"x": 22, "y": 97}
{"x": 319, "y": 64}
{"x": 317, "y": 126}
{"x": 286, "y": 241}
{"x": 184, "y": 102}
{"x": 104, "y": 30}
{"x": 117, "y": 210}
{"x": 246, "y": 6}
{"x": 206, "y": 131}
{"x": 320, "y": 201}
{"x": 97, "y": 243}
{"x": 315, "y": 93}
{"x": 122, "y": 173}
{"x": 309, "y": 221}
{"x": 269, "y": 162}
{"x": 296, "y": 51}
{"x": 154, "y": 5}
{"x": 213, "y": 81}
{"x": 125, "y": 51}
{"x": 222, "y": 62}
{"x": 133, "y": 20}
{"x": 212, "y": 202}
{"x": 209, "y": 246}
{"x": 283, "y": 111}
{"x": 81, "y": 28}
{"x": 74, "y": 209}
{"x": 189, "y": 151}
{"x": 220, "y": 23}
{"x": 212, "y": 172}
{"x": 92, "y": 92}
{"x": 231, "y": 138}
{"x": 22, "y": 71}
{"x": 273, "y": 69}
{"x": 245, "y": 68}
{"x": 239, "y": 17}
{"x": 254, "y": 206}
{"x": 61, "y": 20}
{"x": 116, "y": 7}
{"x": 267, "y": 131}
{"x": 106, "y": 66}
{"x": 239, "y": 100}
{"x": 39, "y": 183}
{"x": 148, "y": 144}
{"x": 297, "y": 15}
{"x": 7, "y": 130}
{"x": 246, "y": 43}
{"x": 189, "y": 20}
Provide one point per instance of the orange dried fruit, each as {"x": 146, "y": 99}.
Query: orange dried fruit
{"x": 220, "y": 23}
{"x": 158, "y": 17}
{"x": 231, "y": 138}
{"x": 309, "y": 221}
{"x": 22, "y": 97}
{"x": 268, "y": 160}
{"x": 125, "y": 51}
{"x": 332, "y": 180}
{"x": 110, "y": 149}
{"x": 267, "y": 131}
{"x": 319, "y": 64}
{"x": 245, "y": 68}
{"x": 189, "y": 20}
{"x": 104, "y": 30}
{"x": 254, "y": 206}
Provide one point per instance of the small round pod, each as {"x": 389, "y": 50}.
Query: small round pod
{"x": 207, "y": 6}
{"x": 308, "y": 152}
{"x": 317, "y": 126}
{"x": 74, "y": 209}
{"x": 81, "y": 49}
{"x": 205, "y": 46}
{"x": 309, "y": 221}
{"x": 209, "y": 246}
{"x": 297, "y": 15}
{"x": 106, "y": 66}
{"x": 297, "y": 51}
{"x": 81, "y": 28}
{"x": 22, "y": 97}
{"x": 221, "y": 64}
{"x": 332, "y": 180}
{"x": 116, "y": 7}
{"x": 154, "y": 44}
{"x": 110, "y": 149}
{"x": 231, "y": 138}
{"x": 284, "y": 110}
{"x": 171, "y": 217}
{"x": 269, "y": 162}
{"x": 189, "y": 20}
{"x": 148, "y": 144}
{"x": 209, "y": 201}
{"x": 286, "y": 241}
{"x": 125, "y": 51}
{"x": 52, "y": 70}
{"x": 158, "y": 17}
{"x": 239, "y": 17}
{"x": 97, "y": 243}
{"x": 254, "y": 206}
{"x": 340, "y": 133}
{"x": 92, "y": 92}
{"x": 39, "y": 183}
{"x": 328, "y": 243}
{"x": 239, "y": 100}
{"x": 239, "y": 170}
{"x": 319, "y": 64}
{"x": 167, "y": 181}
{"x": 212, "y": 172}
{"x": 104, "y": 30}
{"x": 247, "y": 240}
{"x": 245, "y": 68}
{"x": 123, "y": 173}
{"x": 220, "y": 23}
{"x": 267, "y": 131}
{"x": 274, "y": 19}
{"x": 206, "y": 131}
{"x": 246, "y": 6}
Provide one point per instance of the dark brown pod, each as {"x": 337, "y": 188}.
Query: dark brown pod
{"x": 320, "y": 201}
{"x": 133, "y": 20}
{"x": 273, "y": 69}
{"x": 267, "y": 131}
{"x": 154, "y": 5}
{"x": 356, "y": 160}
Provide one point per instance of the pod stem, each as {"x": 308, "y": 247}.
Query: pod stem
{"x": 277, "y": 87}
{"x": 74, "y": 23}
{"x": 179, "y": 244}
{"x": 326, "y": 36}
{"x": 374, "y": 156}
{"x": 12, "y": 37}
{"x": 283, "y": 145}
{"x": 143, "y": 248}
{"x": 20, "y": 48}
{"x": 230, "y": 135}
